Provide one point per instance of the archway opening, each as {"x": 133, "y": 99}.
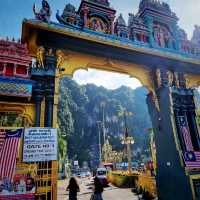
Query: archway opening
{"x": 90, "y": 112}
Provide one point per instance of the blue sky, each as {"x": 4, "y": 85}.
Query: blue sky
{"x": 12, "y": 13}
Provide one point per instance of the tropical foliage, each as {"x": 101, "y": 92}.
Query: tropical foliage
{"x": 81, "y": 109}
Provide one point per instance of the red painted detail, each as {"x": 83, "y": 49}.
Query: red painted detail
{"x": 9, "y": 69}
{"x": 14, "y": 54}
{"x": 1, "y": 67}
{"x": 21, "y": 70}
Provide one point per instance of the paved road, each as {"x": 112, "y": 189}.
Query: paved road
{"x": 113, "y": 194}
{"x": 110, "y": 193}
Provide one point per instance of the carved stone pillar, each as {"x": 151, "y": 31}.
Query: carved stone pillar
{"x": 112, "y": 18}
{"x": 164, "y": 77}
{"x": 49, "y": 101}
{"x": 176, "y": 36}
{"x": 169, "y": 173}
{"x": 181, "y": 79}
{"x": 38, "y": 97}
{"x": 50, "y": 67}
{"x": 37, "y": 74}
{"x": 149, "y": 22}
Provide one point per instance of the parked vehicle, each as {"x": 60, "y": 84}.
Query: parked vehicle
{"x": 102, "y": 175}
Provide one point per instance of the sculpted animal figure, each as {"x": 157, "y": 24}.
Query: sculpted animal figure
{"x": 45, "y": 12}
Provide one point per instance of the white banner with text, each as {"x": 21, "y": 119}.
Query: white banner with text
{"x": 40, "y": 144}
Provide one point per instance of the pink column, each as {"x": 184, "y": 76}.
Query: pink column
{"x": 112, "y": 18}
{"x": 14, "y": 69}
{"x": 4, "y": 68}
{"x": 141, "y": 37}
{"x": 144, "y": 39}
{"x": 85, "y": 12}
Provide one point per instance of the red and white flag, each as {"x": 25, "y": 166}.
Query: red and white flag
{"x": 9, "y": 141}
{"x": 187, "y": 138}
{"x": 2, "y": 139}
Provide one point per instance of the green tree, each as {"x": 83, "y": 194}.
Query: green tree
{"x": 80, "y": 109}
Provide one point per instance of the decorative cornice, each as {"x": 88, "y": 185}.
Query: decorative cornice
{"x": 110, "y": 40}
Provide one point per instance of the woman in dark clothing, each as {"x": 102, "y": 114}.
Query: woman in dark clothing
{"x": 73, "y": 188}
{"x": 98, "y": 189}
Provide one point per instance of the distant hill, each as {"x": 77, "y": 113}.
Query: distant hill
{"x": 80, "y": 108}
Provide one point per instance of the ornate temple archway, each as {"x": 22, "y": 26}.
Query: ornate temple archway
{"x": 167, "y": 63}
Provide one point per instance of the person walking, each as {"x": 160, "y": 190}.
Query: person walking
{"x": 73, "y": 189}
{"x": 98, "y": 189}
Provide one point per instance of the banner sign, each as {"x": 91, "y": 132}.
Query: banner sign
{"x": 22, "y": 186}
{"x": 18, "y": 196}
{"x": 40, "y": 144}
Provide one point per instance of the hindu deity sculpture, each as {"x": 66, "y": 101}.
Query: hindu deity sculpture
{"x": 40, "y": 57}
{"x": 45, "y": 12}
{"x": 162, "y": 36}
{"x": 97, "y": 24}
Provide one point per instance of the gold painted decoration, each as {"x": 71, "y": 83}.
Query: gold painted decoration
{"x": 158, "y": 78}
{"x": 176, "y": 79}
{"x": 24, "y": 110}
{"x": 97, "y": 24}
{"x": 60, "y": 59}
{"x": 170, "y": 77}
{"x": 40, "y": 57}
{"x": 155, "y": 99}
{"x": 49, "y": 52}
{"x": 192, "y": 81}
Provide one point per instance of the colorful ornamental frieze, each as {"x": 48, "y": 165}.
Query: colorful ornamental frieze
{"x": 155, "y": 25}
{"x": 14, "y": 69}
{"x": 15, "y": 87}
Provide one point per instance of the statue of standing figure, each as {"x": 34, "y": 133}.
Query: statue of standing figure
{"x": 40, "y": 57}
{"x": 162, "y": 40}
{"x": 45, "y": 12}
{"x": 161, "y": 36}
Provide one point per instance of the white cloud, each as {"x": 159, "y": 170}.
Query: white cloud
{"x": 109, "y": 80}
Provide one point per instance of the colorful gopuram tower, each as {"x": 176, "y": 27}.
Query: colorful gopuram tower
{"x": 97, "y": 15}
{"x": 15, "y": 64}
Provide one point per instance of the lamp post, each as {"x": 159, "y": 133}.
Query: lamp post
{"x": 103, "y": 104}
{"x": 128, "y": 141}
{"x": 99, "y": 131}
